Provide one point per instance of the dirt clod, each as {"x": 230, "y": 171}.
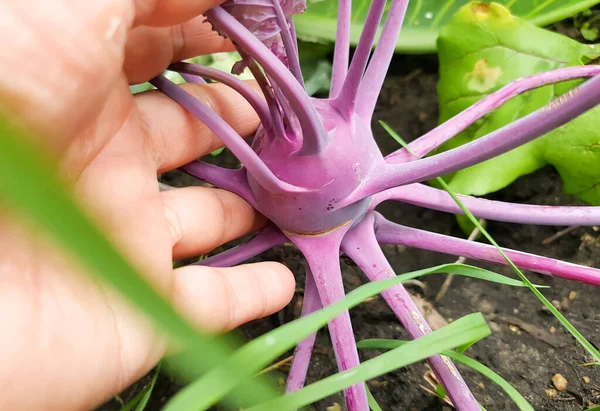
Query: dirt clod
{"x": 559, "y": 382}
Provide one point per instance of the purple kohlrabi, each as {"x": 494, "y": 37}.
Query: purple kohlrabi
{"x": 315, "y": 171}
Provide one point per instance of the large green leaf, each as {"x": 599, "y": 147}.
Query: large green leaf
{"x": 480, "y": 52}
{"x": 424, "y": 18}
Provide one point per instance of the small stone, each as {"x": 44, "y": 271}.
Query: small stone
{"x": 560, "y": 382}
{"x": 481, "y": 385}
{"x": 485, "y": 307}
{"x": 564, "y": 304}
{"x": 335, "y": 407}
{"x": 513, "y": 328}
{"x": 551, "y": 393}
{"x": 587, "y": 379}
{"x": 552, "y": 330}
{"x": 556, "y": 304}
{"x": 572, "y": 295}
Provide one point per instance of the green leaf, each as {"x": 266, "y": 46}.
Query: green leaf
{"x": 514, "y": 395}
{"x": 316, "y": 68}
{"x": 480, "y": 53}
{"x": 30, "y": 186}
{"x": 424, "y": 18}
{"x": 468, "y": 328}
{"x": 261, "y": 351}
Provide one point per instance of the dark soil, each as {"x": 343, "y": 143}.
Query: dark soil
{"x": 527, "y": 346}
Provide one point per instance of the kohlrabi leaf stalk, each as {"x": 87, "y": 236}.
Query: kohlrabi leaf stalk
{"x": 315, "y": 171}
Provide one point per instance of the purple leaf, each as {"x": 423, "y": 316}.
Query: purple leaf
{"x": 260, "y": 17}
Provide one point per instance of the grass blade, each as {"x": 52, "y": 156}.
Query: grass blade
{"x": 518, "y": 399}
{"x": 208, "y": 389}
{"x": 468, "y": 328}
{"x": 372, "y": 403}
{"x": 141, "y": 399}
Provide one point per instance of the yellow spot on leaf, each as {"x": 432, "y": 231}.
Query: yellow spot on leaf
{"x": 483, "y": 77}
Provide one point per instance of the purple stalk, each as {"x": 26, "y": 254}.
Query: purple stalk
{"x": 391, "y": 233}
{"x": 444, "y": 132}
{"x": 361, "y": 246}
{"x": 228, "y": 135}
{"x": 322, "y": 254}
{"x": 258, "y": 104}
{"x": 341, "y": 54}
{"x": 347, "y": 96}
{"x": 371, "y": 85}
{"x": 313, "y": 132}
{"x": 435, "y": 199}
{"x": 226, "y": 179}
{"x": 269, "y": 94}
{"x": 301, "y": 361}
{"x": 289, "y": 43}
{"x": 557, "y": 113}
{"x": 267, "y": 238}
{"x": 192, "y": 79}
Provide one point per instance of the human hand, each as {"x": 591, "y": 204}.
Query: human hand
{"x": 65, "y": 341}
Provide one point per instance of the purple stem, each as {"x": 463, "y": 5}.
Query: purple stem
{"x": 288, "y": 42}
{"x": 347, "y": 96}
{"x": 192, "y": 79}
{"x": 272, "y": 103}
{"x": 435, "y": 199}
{"x": 322, "y": 255}
{"x": 439, "y": 135}
{"x": 269, "y": 237}
{"x": 258, "y": 104}
{"x": 227, "y": 179}
{"x": 341, "y": 54}
{"x": 314, "y": 134}
{"x": 361, "y": 246}
{"x": 391, "y": 233}
{"x": 373, "y": 81}
{"x": 263, "y": 175}
{"x": 558, "y": 112}
{"x": 301, "y": 361}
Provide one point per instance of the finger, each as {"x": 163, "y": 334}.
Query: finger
{"x": 164, "y": 13}
{"x": 201, "y": 219}
{"x": 220, "y": 299}
{"x": 177, "y": 137}
{"x": 151, "y": 49}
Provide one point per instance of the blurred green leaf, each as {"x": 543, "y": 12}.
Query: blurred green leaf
{"x": 424, "y": 18}
{"x": 480, "y": 53}
{"x": 316, "y": 67}
{"x": 518, "y": 399}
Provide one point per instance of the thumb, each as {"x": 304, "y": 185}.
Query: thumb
{"x": 220, "y": 299}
